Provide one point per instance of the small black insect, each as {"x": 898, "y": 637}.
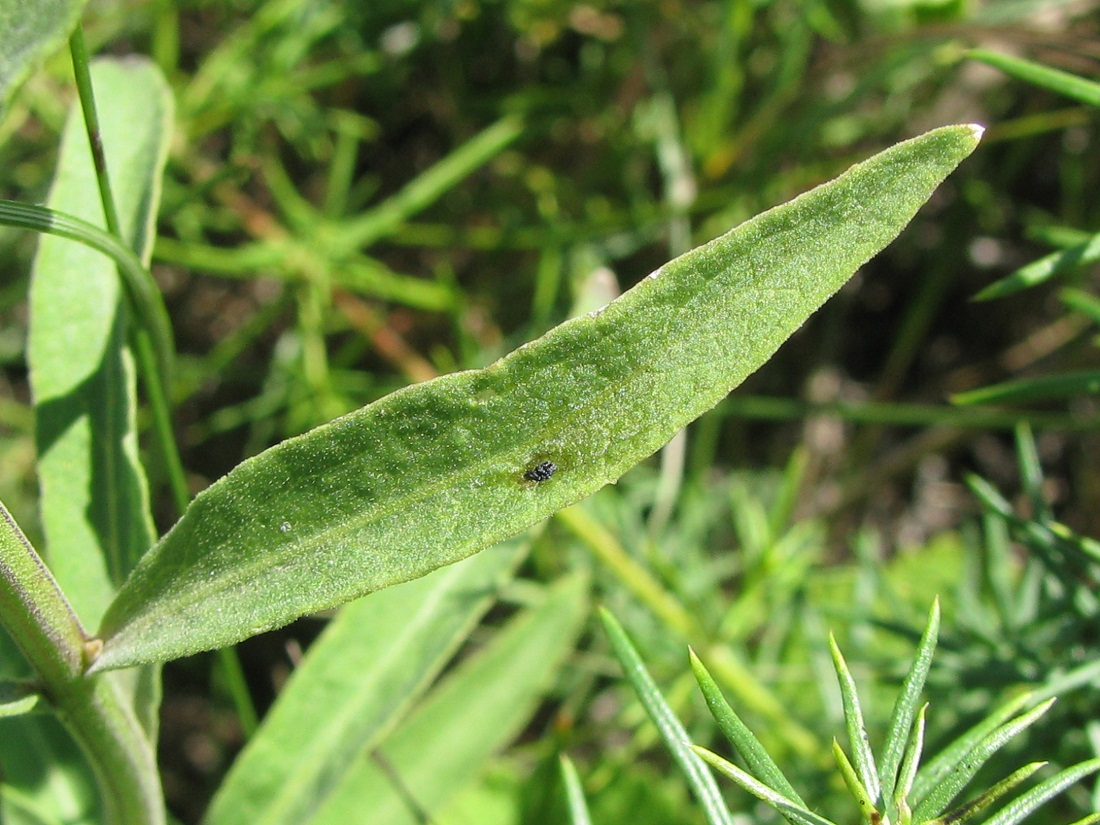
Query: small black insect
{"x": 541, "y": 471}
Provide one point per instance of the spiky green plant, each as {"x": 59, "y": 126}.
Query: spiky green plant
{"x": 894, "y": 787}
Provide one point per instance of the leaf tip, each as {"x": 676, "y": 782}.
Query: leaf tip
{"x": 977, "y": 130}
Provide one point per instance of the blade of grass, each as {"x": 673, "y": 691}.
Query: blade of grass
{"x": 139, "y": 284}
{"x": 791, "y": 811}
{"x": 1063, "y": 83}
{"x": 983, "y": 800}
{"x": 909, "y": 415}
{"x": 905, "y": 706}
{"x": 634, "y": 576}
{"x": 574, "y": 793}
{"x": 864, "y": 803}
{"x": 858, "y": 740}
{"x": 908, "y": 771}
{"x": 939, "y": 767}
{"x": 744, "y": 741}
{"x": 1026, "y": 390}
{"x": 968, "y": 762}
{"x": 1043, "y": 269}
{"x": 1031, "y": 473}
{"x": 1015, "y": 812}
{"x": 672, "y": 732}
{"x": 360, "y": 232}
{"x": 1085, "y": 303}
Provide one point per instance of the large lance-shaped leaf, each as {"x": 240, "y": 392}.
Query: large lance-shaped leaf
{"x": 95, "y": 509}
{"x": 435, "y": 472}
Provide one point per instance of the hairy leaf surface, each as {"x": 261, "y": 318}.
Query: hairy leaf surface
{"x": 441, "y": 470}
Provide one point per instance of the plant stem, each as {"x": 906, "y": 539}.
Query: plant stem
{"x": 91, "y": 123}
{"x": 40, "y": 621}
{"x": 141, "y": 290}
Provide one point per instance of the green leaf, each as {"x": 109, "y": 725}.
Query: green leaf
{"x": 1064, "y": 83}
{"x": 478, "y": 708}
{"x": 1043, "y": 269}
{"x": 867, "y": 811}
{"x": 970, "y": 761}
{"x": 1088, "y": 305}
{"x": 668, "y": 726}
{"x": 905, "y": 706}
{"x": 1027, "y": 390}
{"x": 434, "y": 473}
{"x": 858, "y": 740}
{"x": 982, "y": 801}
{"x": 908, "y": 771}
{"x": 574, "y": 792}
{"x": 354, "y": 687}
{"x": 1019, "y": 809}
{"x": 760, "y": 763}
{"x": 32, "y": 30}
{"x": 792, "y": 811}
{"x": 947, "y": 759}
{"x": 95, "y": 510}
{"x": 1031, "y": 473}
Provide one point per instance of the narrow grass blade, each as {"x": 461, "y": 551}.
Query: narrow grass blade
{"x": 968, "y": 763}
{"x": 478, "y": 708}
{"x": 1043, "y": 269}
{"x": 1064, "y": 83}
{"x": 31, "y": 32}
{"x": 668, "y": 726}
{"x": 355, "y": 686}
{"x": 779, "y": 517}
{"x": 1076, "y": 299}
{"x": 574, "y": 793}
{"x": 1031, "y": 473}
{"x": 905, "y": 706}
{"x": 793, "y": 812}
{"x": 136, "y": 279}
{"x": 858, "y": 740}
{"x": 436, "y": 472}
{"x": 866, "y": 806}
{"x": 426, "y": 188}
{"x": 744, "y": 741}
{"x": 1059, "y": 547}
{"x": 1027, "y": 390}
{"x": 982, "y": 802}
{"x": 95, "y": 510}
{"x": 1018, "y": 810}
{"x": 909, "y": 764}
